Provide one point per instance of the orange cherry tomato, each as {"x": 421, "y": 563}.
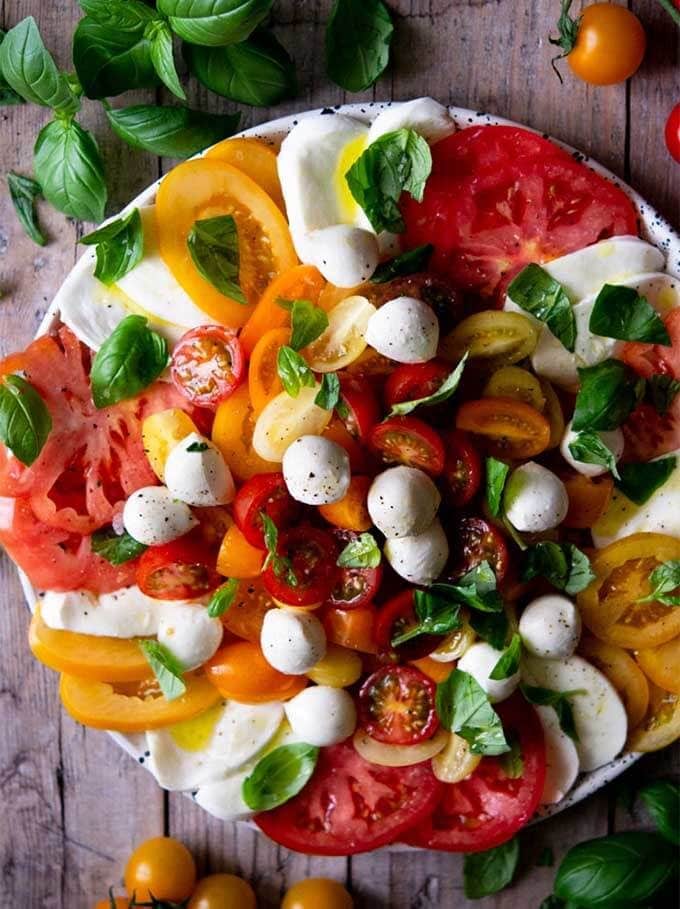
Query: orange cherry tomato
{"x": 223, "y": 891}
{"x": 239, "y": 671}
{"x": 433, "y": 669}
{"x": 303, "y": 282}
{"x": 589, "y": 498}
{"x": 263, "y": 377}
{"x": 162, "y": 868}
{"x": 662, "y": 664}
{"x": 609, "y": 46}
{"x": 351, "y": 628}
{"x": 237, "y": 558}
{"x": 232, "y": 432}
{"x": 623, "y": 672}
{"x": 255, "y": 159}
{"x": 350, "y": 512}
{"x": 510, "y": 428}
{"x": 317, "y": 893}
{"x": 207, "y": 188}
{"x": 246, "y": 614}
{"x": 359, "y": 458}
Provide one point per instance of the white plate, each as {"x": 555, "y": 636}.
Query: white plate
{"x": 652, "y": 227}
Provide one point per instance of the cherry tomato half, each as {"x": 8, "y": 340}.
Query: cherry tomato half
{"x": 358, "y": 409}
{"x": 672, "y": 133}
{"x": 462, "y": 469}
{"x": 412, "y": 381}
{"x": 239, "y": 671}
{"x": 396, "y": 617}
{"x": 354, "y": 586}
{"x": 208, "y": 364}
{"x": 264, "y": 492}
{"x": 305, "y": 571}
{"x": 180, "y": 570}
{"x": 161, "y": 866}
{"x": 351, "y": 628}
{"x": 396, "y": 706}
{"x": 409, "y": 441}
{"x": 510, "y": 428}
{"x": 474, "y": 540}
{"x": 610, "y": 44}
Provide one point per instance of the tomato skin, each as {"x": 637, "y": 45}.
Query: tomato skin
{"x": 314, "y": 893}
{"x": 208, "y": 365}
{"x": 672, "y": 133}
{"x": 412, "y": 381}
{"x": 395, "y": 617}
{"x": 264, "y": 492}
{"x": 409, "y": 441}
{"x": 351, "y": 628}
{"x": 610, "y": 45}
{"x": 396, "y": 706}
{"x": 462, "y": 474}
{"x": 245, "y": 616}
{"x": 361, "y": 403}
{"x": 312, "y": 554}
{"x": 239, "y": 671}
{"x": 509, "y": 428}
{"x": 650, "y": 359}
{"x": 179, "y": 570}
{"x": 475, "y": 540}
{"x": 161, "y": 866}
{"x": 222, "y": 891}
{"x": 351, "y": 511}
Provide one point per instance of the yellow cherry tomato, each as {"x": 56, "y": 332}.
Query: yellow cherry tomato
{"x": 317, "y": 893}
{"x": 285, "y": 419}
{"x": 661, "y": 726}
{"x": 339, "y": 668}
{"x": 161, "y": 432}
{"x": 223, "y": 891}
{"x": 254, "y": 158}
{"x": 264, "y": 382}
{"x": 498, "y": 337}
{"x": 662, "y": 664}
{"x": 623, "y": 672}
{"x": 232, "y": 432}
{"x": 343, "y": 341}
{"x": 376, "y": 752}
{"x": 455, "y": 762}
{"x": 161, "y": 866}
{"x": 610, "y": 44}
{"x": 518, "y": 383}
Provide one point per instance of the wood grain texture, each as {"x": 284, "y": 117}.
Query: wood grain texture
{"x": 77, "y": 803}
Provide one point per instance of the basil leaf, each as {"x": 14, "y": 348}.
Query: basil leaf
{"x": 664, "y": 580}
{"x": 214, "y": 249}
{"x": 329, "y": 391}
{"x": 214, "y": 22}
{"x": 513, "y": 762}
{"x": 639, "y": 482}
{"x": 360, "y": 553}
{"x": 395, "y": 163}
{"x": 174, "y": 132}
{"x": 407, "y": 263}
{"x": 159, "y": 37}
{"x": 609, "y": 393}
{"x": 662, "y": 800}
{"x": 28, "y": 68}
{"x": 115, "y": 548}
{"x": 508, "y": 664}
{"x": 491, "y": 627}
{"x": 258, "y": 71}
{"x": 537, "y": 293}
{"x": 559, "y": 701}
{"x": 476, "y": 589}
{"x": 489, "y": 872}
{"x": 626, "y": 868}
{"x": 308, "y": 322}
{"x": 621, "y": 313}
{"x": 69, "y": 168}
{"x": 122, "y": 15}
{"x": 197, "y": 446}
{"x": 358, "y": 37}
{"x": 25, "y": 421}
{"x": 463, "y": 707}
{"x": 223, "y": 598}
{"x": 496, "y": 475}
{"x": 443, "y": 393}
{"x": 281, "y": 565}
{"x": 23, "y": 192}
{"x": 130, "y": 359}
{"x": 279, "y": 776}
{"x": 588, "y": 448}
{"x": 120, "y": 246}
{"x": 563, "y": 564}
{"x": 7, "y": 95}
{"x": 166, "y": 667}
{"x": 293, "y": 371}
{"x": 661, "y": 391}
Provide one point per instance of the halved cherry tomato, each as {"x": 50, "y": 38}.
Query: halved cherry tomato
{"x": 672, "y": 132}
{"x": 237, "y": 557}
{"x": 651, "y": 359}
{"x": 474, "y": 540}
{"x": 161, "y": 868}
{"x": 553, "y": 413}
{"x": 622, "y": 671}
{"x": 649, "y": 434}
{"x": 394, "y": 618}
{"x": 246, "y": 614}
{"x": 433, "y": 669}
{"x": 510, "y": 429}
{"x": 496, "y": 338}
{"x": 264, "y": 382}
{"x": 255, "y": 159}
{"x": 610, "y": 44}
{"x": 232, "y": 432}
{"x": 268, "y": 493}
{"x": 161, "y": 432}
{"x": 589, "y": 498}
{"x": 354, "y": 587}
{"x": 360, "y": 459}
{"x": 359, "y": 408}
{"x": 661, "y": 726}
{"x": 344, "y": 340}
{"x": 352, "y": 628}
{"x": 462, "y": 474}
{"x": 239, "y": 671}
{"x": 396, "y": 706}
{"x": 310, "y": 554}
{"x": 661, "y": 663}
{"x": 409, "y": 441}
{"x": 350, "y": 512}
{"x": 515, "y": 382}
{"x": 412, "y": 381}
{"x": 180, "y": 570}
{"x": 207, "y": 365}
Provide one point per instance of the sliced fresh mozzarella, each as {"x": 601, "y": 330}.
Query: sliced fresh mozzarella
{"x": 316, "y": 470}
{"x": 424, "y": 115}
{"x": 344, "y": 254}
{"x": 421, "y": 558}
{"x": 404, "y": 329}
{"x": 561, "y": 758}
{"x": 599, "y": 714}
{"x": 321, "y": 715}
{"x": 292, "y": 642}
{"x": 535, "y": 498}
{"x": 196, "y": 473}
{"x": 552, "y": 361}
{"x": 89, "y": 308}
{"x": 613, "y": 440}
{"x": 402, "y": 501}
{"x": 285, "y": 419}
{"x": 550, "y": 627}
{"x": 153, "y": 516}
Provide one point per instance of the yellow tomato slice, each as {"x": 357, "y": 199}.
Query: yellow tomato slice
{"x": 206, "y": 188}
{"x": 609, "y": 606}
{"x": 254, "y": 158}
{"x": 456, "y": 761}
{"x": 343, "y": 341}
{"x": 515, "y": 382}
{"x": 661, "y": 726}
{"x": 264, "y": 383}
{"x": 233, "y": 434}
{"x": 493, "y": 335}
{"x": 624, "y": 674}
{"x": 376, "y": 752}
{"x": 161, "y": 432}
{"x": 133, "y": 706}
{"x": 285, "y": 419}
{"x": 662, "y": 664}
{"x": 339, "y": 668}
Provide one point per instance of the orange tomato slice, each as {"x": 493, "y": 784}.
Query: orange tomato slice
{"x": 256, "y": 160}
{"x": 206, "y": 188}
{"x": 359, "y": 457}
{"x": 350, "y": 512}
{"x": 263, "y": 377}
{"x": 352, "y": 628}
{"x": 661, "y": 726}
{"x": 233, "y": 434}
{"x": 510, "y": 428}
{"x": 589, "y": 498}
{"x": 239, "y": 671}
{"x": 246, "y": 614}
{"x": 237, "y": 558}
{"x": 623, "y": 672}
{"x": 662, "y": 664}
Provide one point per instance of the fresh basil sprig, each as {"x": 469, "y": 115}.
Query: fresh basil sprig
{"x": 25, "y": 421}
{"x": 308, "y": 322}
{"x": 69, "y": 168}
{"x": 114, "y": 547}
{"x": 661, "y": 391}
{"x": 588, "y": 448}
{"x": 665, "y": 583}
{"x": 397, "y": 162}
{"x": 159, "y": 37}
{"x": 279, "y": 776}
{"x": 563, "y": 564}
{"x": 214, "y": 22}
{"x": 485, "y": 873}
{"x": 358, "y": 37}
{"x": 508, "y": 664}
{"x": 174, "y": 132}
{"x": 28, "y": 67}
{"x": 223, "y": 598}
{"x": 281, "y": 565}
{"x": 463, "y": 707}
{"x": 639, "y": 481}
{"x": 328, "y": 395}
{"x": 436, "y": 614}
{"x": 130, "y": 359}
{"x": 23, "y": 192}
{"x": 443, "y": 393}
{"x": 496, "y": 476}
{"x": 363, "y": 552}
{"x": 476, "y": 589}
{"x": 560, "y": 701}
{"x": 166, "y": 667}
{"x": 621, "y": 313}
{"x": 407, "y": 263}
{"x": 537, "y": 293}
{"x": 8, "y": 96}
{"x": 609, "y": 393}
{"x": 662, "y": 800}
{"x": 214, "y": 248}
{"x": 293, "y": 371}
{"x": 119, "y": 247}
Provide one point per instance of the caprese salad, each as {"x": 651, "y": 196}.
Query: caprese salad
{"x": 348, "y": 478}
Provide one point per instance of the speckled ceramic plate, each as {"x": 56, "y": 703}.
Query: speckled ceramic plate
{"x": 652, "y": 228}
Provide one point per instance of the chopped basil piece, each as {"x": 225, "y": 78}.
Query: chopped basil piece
{"x": 198, "y": 447}
{"x": 130, "y": 359}
{"x": 485, "y": 873}
{"x": 308, "y": 322}
{"x": 639, "y": 482}
{"x": 496, "y": 475}
{"x": 436, "y": 614}
{"x": 407, "y": 263}
{"x": 358, "y": 37}
{"x": 119, "y": 247}
{"x": 621, "y": 313}
{"x": 463, "y": 707}
{"x": 665, "y": 581}
{"x": 609, "y": 393}
{"x": 491, "y": 627}
{"x": 360, "y": 553}
{"x": 563, "y": 564}
{"x": 328, "y": 395}
{"x": 25, "y": 421}
{"x": 293, "y": 371}
{"x": 166, "y": 667}
{"x": 661, "y": 391}
{"x": 588, "y": 448}
{"x": 513, "y": 762}
{"x": 223, "y": 598}
{"x": 281, "y": 564}
{"x": 508, "y": 664}
{"x": 279, "y": 776}
{"x": 560, "y": 701}
{"x": 537, "y": 293}
{"x": 114, "y": 547}
{"x": 443, "y": 393}
{"x": 23, "y": 192}
{"x": 476, "y": 589}
{"x": 214, "y": 249}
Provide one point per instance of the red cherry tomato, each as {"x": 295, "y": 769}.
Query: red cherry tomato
{"x": 407, "y": 440}
{"x": 396, "y": 617}
{"x": 264, "y": 492}
{"x": 181, "y": 570}
{"x": 648, "y": 359}
{"x": 208, "y": 364}
{"x": 415, "y": 380}
{"x": 305, "y": 572}
{"x": 396, "y": 706}
{"x": 359, "y": 409}
{"x": 673, "y": 131}
{"x": 354, "y": 586}
{"x": 462, "y": 475}
{"x": 474, "y": 540}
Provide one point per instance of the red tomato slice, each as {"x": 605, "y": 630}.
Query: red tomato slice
{"x": 651, "y": 359}
{"x": 180, "y": 570}
{"x": 415, "y": 380}
{"x": 354, "y": 586}
{"x": 407, "y": 440}
{"x": 208, "y": 364}
{"x": 490, "y": 806}
{"x": 396, "y": 617}
{"x": 311, "y": 554}
{"x": 351, "y": 806}
{"x": 500, "y": 197}
{"x": 650, "y": 434}
{"x": 264, "y": 492}
{"x": 358, "y": 409}
{"x": 475, "y": 540}
{"x": 396, "y": 706}
{"x": 462, "y": 469}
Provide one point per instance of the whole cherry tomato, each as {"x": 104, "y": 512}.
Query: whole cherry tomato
{"x": 161, "y": 866}
{"x": 673, "y": 132}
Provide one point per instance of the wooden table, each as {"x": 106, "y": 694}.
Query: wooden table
{"x": 74, "y": 804}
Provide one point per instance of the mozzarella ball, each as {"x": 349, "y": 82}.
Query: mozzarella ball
{"x": 292, "y": 642}
{"x": 405, "y": 330}
{"x": 402, "y": 501}
{"x": 153, "y": 516}
{"x": 419, "y": 559}
{"x": 479, "y": 661}
{"x": 321, "y": 715}
{"x": 535, "y": 499}
{"x": 612, "y": 440}
{"x": 550, "y": 627}
{"x": 196, "y": 473}
{"x": 316, "y": 470}
{"x": 189, "y": 633}
{"x": 345, "y": 255}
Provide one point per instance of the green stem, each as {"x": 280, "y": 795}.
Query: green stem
{"x": 671, "y": 10}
